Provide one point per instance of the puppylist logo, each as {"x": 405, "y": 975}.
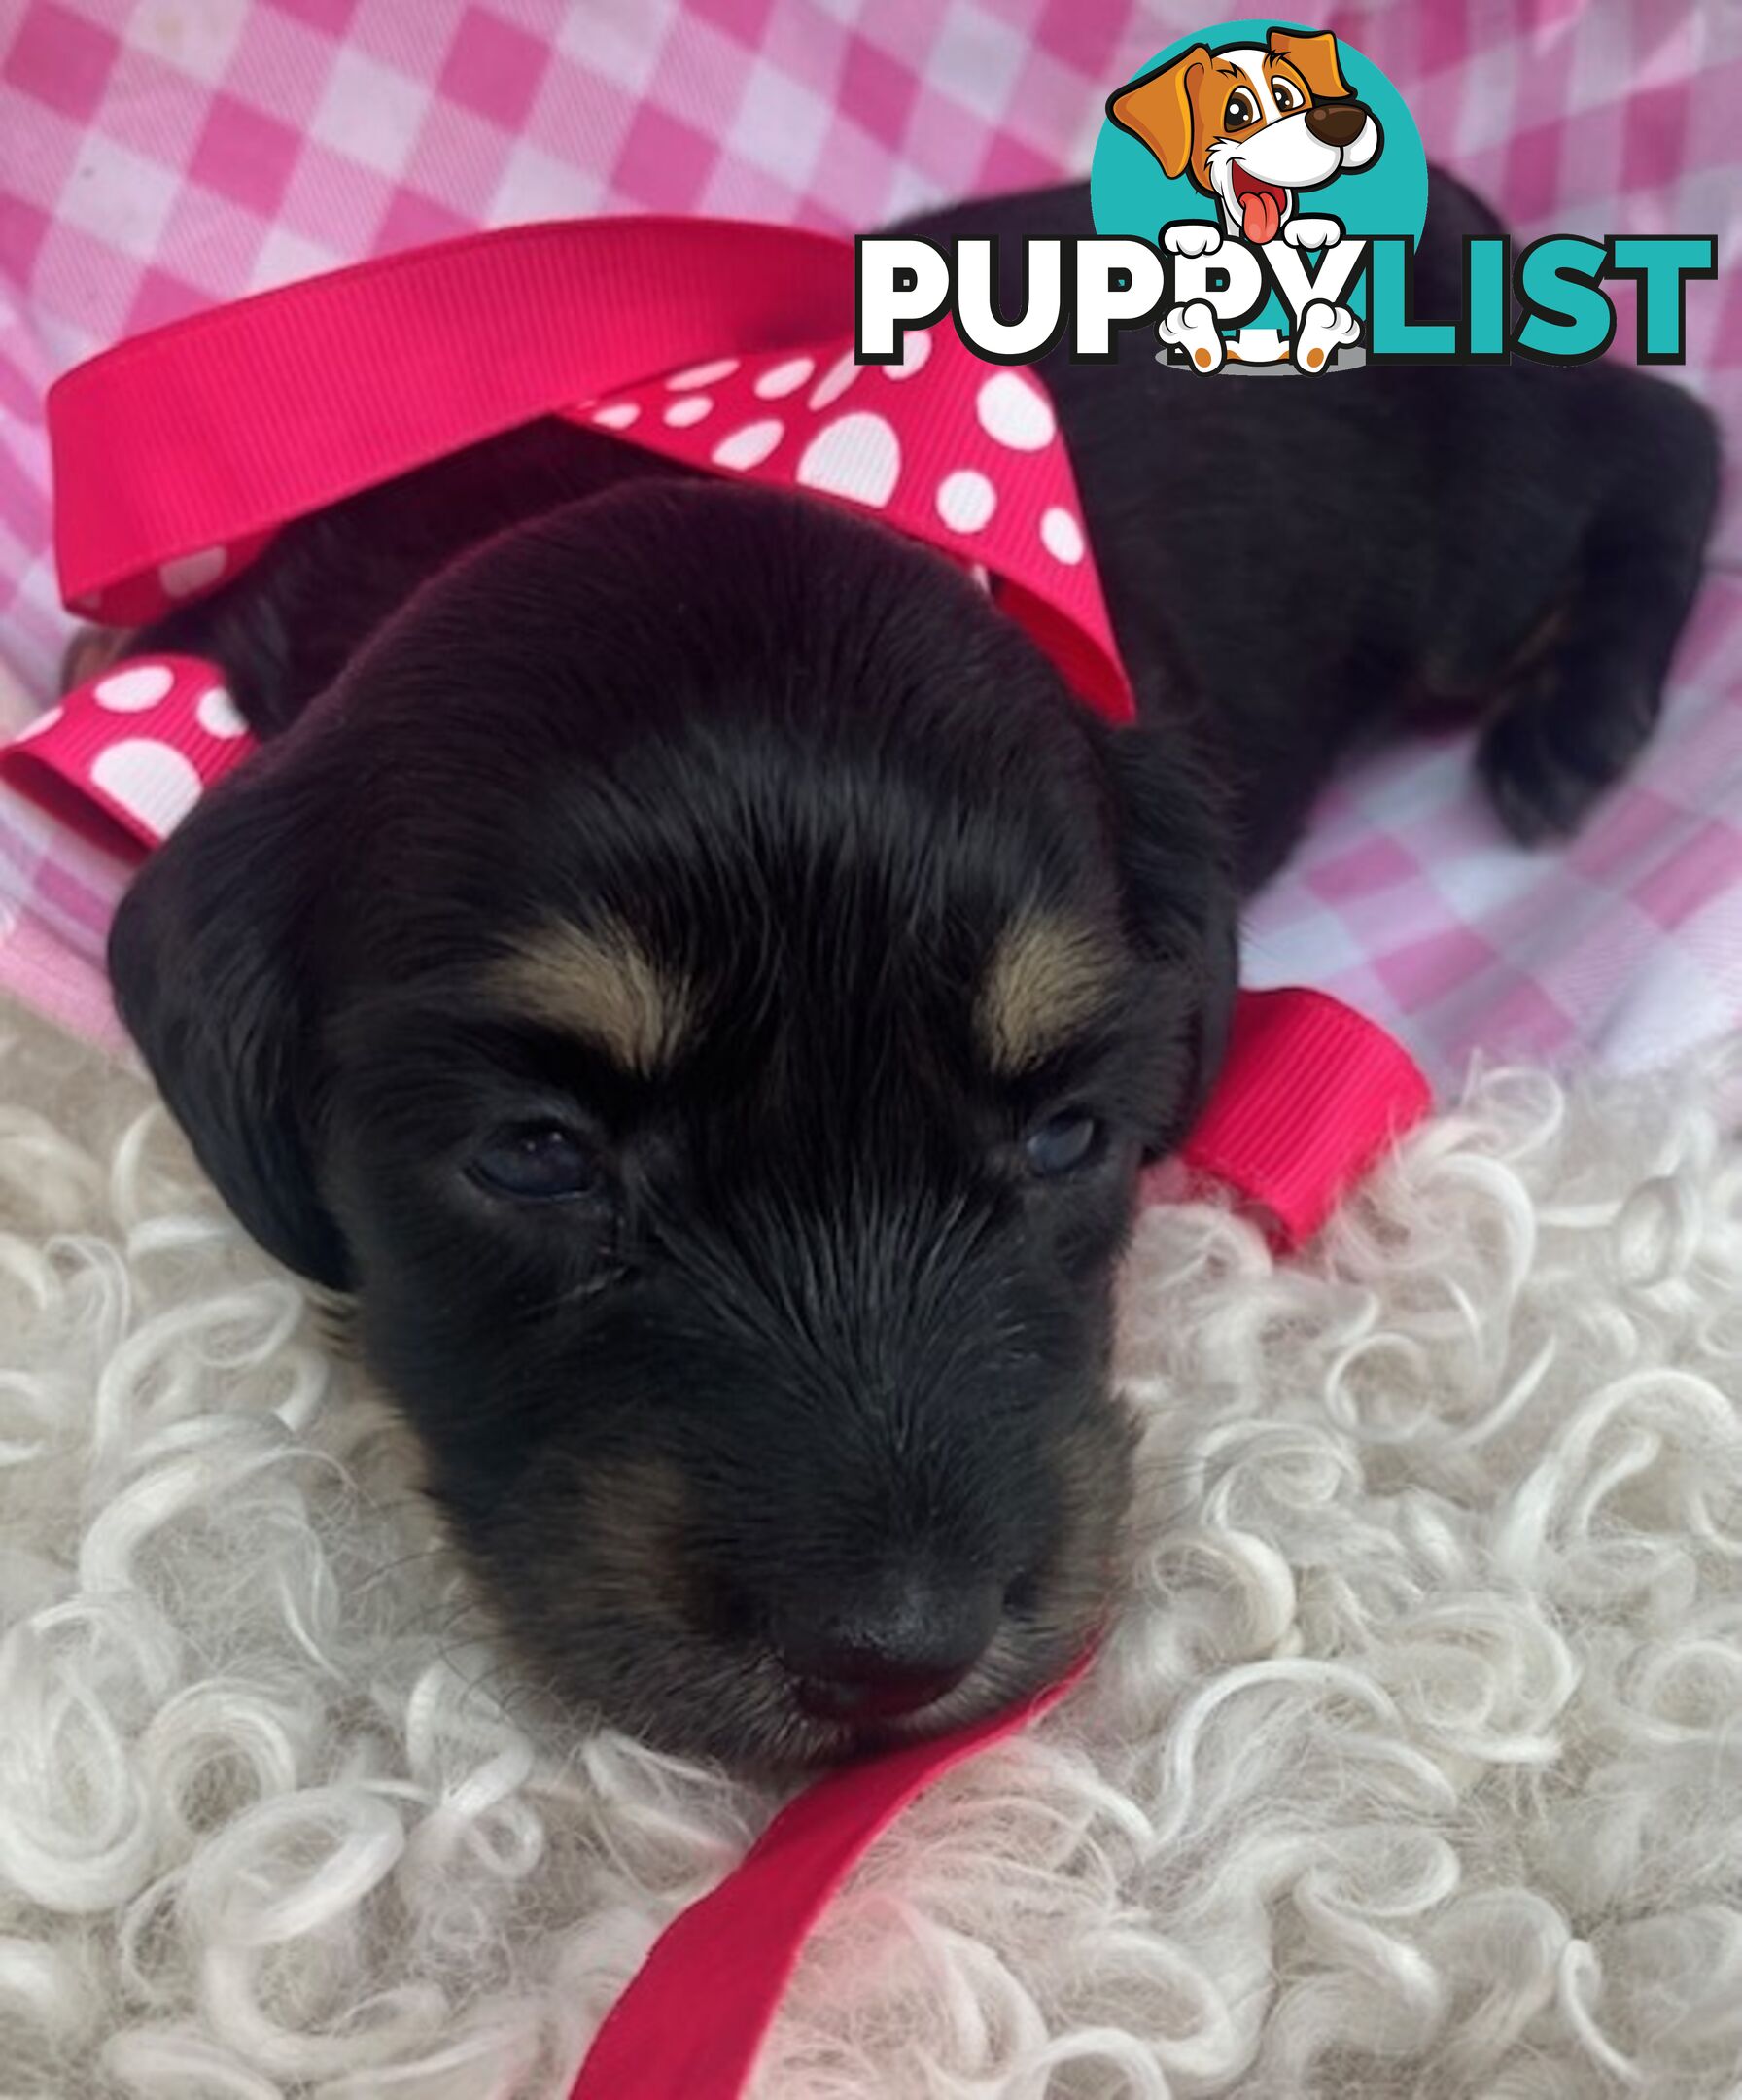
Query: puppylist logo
{"x": 1258, "y": 191}
{"x": 1269, "y": 156}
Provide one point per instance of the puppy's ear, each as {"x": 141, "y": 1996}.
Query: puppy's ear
{"x": 1313, "y": 57}
{"x": 1157, "y": 108}
{"x": 1176, "y": 849}
{"x": 209, "y": 956}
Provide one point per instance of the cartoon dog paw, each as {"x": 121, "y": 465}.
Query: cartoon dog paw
{"x": 1191, "y": 237}
{"x": 1323, "y": 329}
{"x": 1193, "y": 329}
{"x": 1312, "y": 232}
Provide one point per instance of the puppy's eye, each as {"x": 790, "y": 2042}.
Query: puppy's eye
{"x": 1242, "y": 111}
{"x": 1286, "y": 96}
{"x": 537, "y": 1163}
{"x": 1063, "y": 1143}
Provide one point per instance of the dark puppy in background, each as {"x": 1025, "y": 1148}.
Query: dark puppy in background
{"x": 686, "y": 964}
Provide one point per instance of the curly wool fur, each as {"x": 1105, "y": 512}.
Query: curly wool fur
{"x": 1413, "y": 1769}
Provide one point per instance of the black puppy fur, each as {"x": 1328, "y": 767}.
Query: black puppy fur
{"x": 889, "y": 965}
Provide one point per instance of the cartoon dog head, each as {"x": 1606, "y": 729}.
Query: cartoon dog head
{"x": 1251, "y": 124}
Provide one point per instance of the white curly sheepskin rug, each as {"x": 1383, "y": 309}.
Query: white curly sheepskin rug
{"x": 1415, "y": 1768}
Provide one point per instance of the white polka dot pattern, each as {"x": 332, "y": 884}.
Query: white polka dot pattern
{"x": 149, "y": 780}
{"x": 191, "y": 572}
{"x": 1015, "y": 411}
{"x": 835, "y": 381}
{"x": 856, "y": 456}
{"x": 136, "y": 686}
{"x": 750, "y": 447}
{"x": 783, "y": 378}
{"x": 141, "y": 741}
{"x": 965, "y": 499}
{"x": 218, "y": 715}
{"x": 1060, "y": 535}
{"x": 701, "y": 375}
{"x": 913, "y": 353}
{"x": 939, "y": 444}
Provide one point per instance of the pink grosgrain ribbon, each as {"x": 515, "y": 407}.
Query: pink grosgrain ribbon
{"x": 725, "y": 346}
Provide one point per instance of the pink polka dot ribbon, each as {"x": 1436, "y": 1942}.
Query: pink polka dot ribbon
{"x": 722, "y": 345}
{"x": 179, "y": 454}
{"x": 125, "y": 755}
{"x": 940, "y": 446}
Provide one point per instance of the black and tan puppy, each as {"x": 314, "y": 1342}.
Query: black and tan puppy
{"x": 687, "y": 967}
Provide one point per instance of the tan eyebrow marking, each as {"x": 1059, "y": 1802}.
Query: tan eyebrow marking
{"x": 1048, "y": 975}
{"x": 600, "y": 983}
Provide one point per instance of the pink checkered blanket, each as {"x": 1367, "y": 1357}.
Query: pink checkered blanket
{"x": 156, "y": 156}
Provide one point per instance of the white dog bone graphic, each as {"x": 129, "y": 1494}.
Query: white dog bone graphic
{"x": 1312, "y": 232}
{"x": 1323, "y": 328}
{"x": 1191, "y": 237}
{"x": 1194, "y": 330}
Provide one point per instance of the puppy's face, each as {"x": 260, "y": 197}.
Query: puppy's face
{"x": 706, "y": 990}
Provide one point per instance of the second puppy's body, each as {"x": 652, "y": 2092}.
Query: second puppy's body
{"x": 1290, "y": 565}
{"x": 692, "y": 972}
{"x": 1286, "y": 567}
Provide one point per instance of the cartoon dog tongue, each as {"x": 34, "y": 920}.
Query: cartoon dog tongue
{"x": 1262, "y": 214}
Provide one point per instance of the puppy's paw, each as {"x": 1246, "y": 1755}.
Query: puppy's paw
{"x": 1323, "y": 329}
{"x": 1191, "y": 237}
{"x": 1193, "y": 329}
{"x": 1312, "y": 232}
{"x": 1546, "y": 765}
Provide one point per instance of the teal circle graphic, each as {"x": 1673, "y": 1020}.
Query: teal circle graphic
{"x": 1131, "y": 193}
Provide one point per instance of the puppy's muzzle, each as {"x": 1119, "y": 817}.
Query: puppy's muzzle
{"x": 1336, "y": 123}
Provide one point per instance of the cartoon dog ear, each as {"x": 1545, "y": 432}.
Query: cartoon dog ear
{"x": 1314, "y": 56}
{"x": 209, "y": 962}
{"x": 1157, "y": 108}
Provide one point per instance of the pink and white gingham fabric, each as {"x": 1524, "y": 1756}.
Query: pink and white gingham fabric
{"x": 156, "y": 156}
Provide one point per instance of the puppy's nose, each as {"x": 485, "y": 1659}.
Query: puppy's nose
{"x": 1336, "y": 123}
{"x": 897, "y": 1649}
